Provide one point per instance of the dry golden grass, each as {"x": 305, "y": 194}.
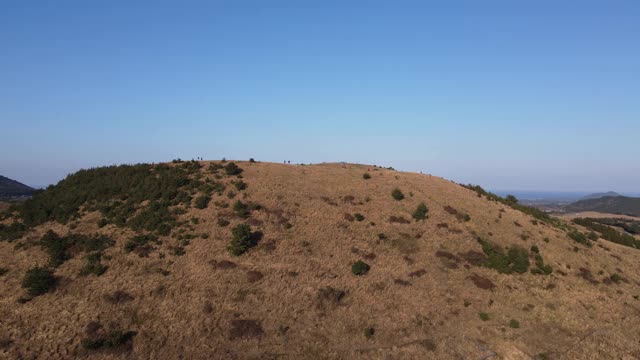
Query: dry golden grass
{"x": 294, "y": 297}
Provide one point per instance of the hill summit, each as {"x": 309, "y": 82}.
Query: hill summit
{"x": 251, "y": 260}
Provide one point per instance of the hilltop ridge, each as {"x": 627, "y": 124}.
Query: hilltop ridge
{"x": 261, "y": 260}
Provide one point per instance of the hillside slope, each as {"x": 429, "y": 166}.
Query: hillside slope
{"x": 432, "y": 290}
{"x": 10, "y": 188}
{"x": 608, "y": 204}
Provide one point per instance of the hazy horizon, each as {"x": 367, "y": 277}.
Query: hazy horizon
{"x": 535, "y": 96}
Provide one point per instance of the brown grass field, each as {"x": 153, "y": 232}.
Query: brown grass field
{"x": 293, "y": 296}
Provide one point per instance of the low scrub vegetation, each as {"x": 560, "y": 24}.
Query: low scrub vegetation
{"x": 38, "y": 281}
{"x": 603, "y": 227}
{"x": 397, "y": 194}
{"x": 201, "y": 201}
{"x": 57, "y": 247}
{"x": 360, "y": 268}
{"x": 421, "y": 212}
{"x": 514, "y": 260}
{"x": 242, "y": 239}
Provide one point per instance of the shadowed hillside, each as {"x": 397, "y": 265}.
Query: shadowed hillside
{"x": 608, "y": 204}
{"x": 249, "y": 260}
{"x": 10, "y": 188}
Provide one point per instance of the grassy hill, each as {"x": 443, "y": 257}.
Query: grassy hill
{"x": 608, "y": 204}
{"x": 10, "y": 188}
{"x": 250, "y": 260}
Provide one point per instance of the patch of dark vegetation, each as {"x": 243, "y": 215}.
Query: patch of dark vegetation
{"x": 243, "y": 239}
{"x": 240, "y": 185}
{"x": 401, "y": 282}
{"x": 418, "y": 273}
{"x": 482, "y": 282}
{"x": 223, "y": 264}
{"x": 245, "y": 329}
{"x": 38, "y": 281}
{"x": 13, "y": 231}
{"x": 360, "y": 268}
{"x": 366, "y": 176}
{"x": 514, "y": 324}
{"x": 201, "y": 201}
{"x": 232, "y": 169}
{"x": 118, "y": 193}
{"x": 579, "y": 237}
{"x": 541, "y": 268}
{"x": 398, "y": 220}
{"x": 462, "y": 217}
{"x": 60, "y": 248}
{"x": 587, "y": 275}
{"x": 369, "y": 332}
{"x": 329, "y": 201}
{"x": 3, "y": 271}
{"x": 515, "y": 260}
{"x": 483, "y": 316}
{"x": 118, "y": 297}
{"x": 253, "y": 276}
{"x": 603, "y": 226}
{"x": 99, "y": 338}
{"x": 222, "y": 222}
{"x": 421, "y": 212}
{"x": 474, "y": 258}
{"x": 397, "y": 194}
{"x": 140, "y": 244}
{"x": 614, "y": 279}
{"x": 358, "y": 217}
{"x": 349, "y": 217}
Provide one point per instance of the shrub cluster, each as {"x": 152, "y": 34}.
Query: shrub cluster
{"x": 515, "y": 260}
{"x": 242, "y": 239}
{"x": 38, "y": 281}
{"x": 201, "y": 201}
{"x": 603, "y": 227}
{"x": 13, "y": 231}
{"x": 232, "y": 169}
{"x": 360, "y": 268}
{"x": 397, "y": 194}
{"x": 421, "y": 212}
{"x": 57, "y": 247}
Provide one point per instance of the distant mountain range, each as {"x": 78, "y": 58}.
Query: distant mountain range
{"x": 607, "y": 204}
{"x": 600, "y": 195}
{"x": 10, "y": 188}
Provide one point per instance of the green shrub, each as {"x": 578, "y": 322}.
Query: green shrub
{"x": 242, "y": 239}
{"x": 516, "y": 259}
{"x": 241, "y": 209}
{"x": 223, "y": 222}
{"x": 13, "y": 231}
{"x": 3, "y": 271}
{"x": 232, "y": 169}
{"x": 421, "y": 212}
{"x": 484, "y": 316}
{"x": 240, "y": 185}
{"x": 366, "y": 176}
{"x": 252, "y": 160}
{"x": 579, "y": 237}
{"x": 397, "y": 194}
{"x": 603, "y": 226}
{"x": 38, "y": 281}
{"x": 358, "y": 216}
{"x": 201, "y": 202}
{"x": 360, "y": 268}
{"x": 514, "y": 324}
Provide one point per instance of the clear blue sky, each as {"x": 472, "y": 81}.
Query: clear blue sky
{"x": 517, "y": 95}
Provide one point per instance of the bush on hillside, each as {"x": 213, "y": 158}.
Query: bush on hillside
{"x": 232, "y": 169}
{"x": 366, "y": 176}
{"x": 242, "y": 239}
{"x": 421, "y": 212}
{"x": 38, "y": 281}
{"x": 202, "y": 202}
{"x": 516, "y": 259}
{"x": 360, "y": 268}
{"x": 397, "y": 194}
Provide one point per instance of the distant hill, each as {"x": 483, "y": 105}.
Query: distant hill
{"x": 608, "y": 204}
{"x": 10, "y": 188}
{"x": 600, "y": 195}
